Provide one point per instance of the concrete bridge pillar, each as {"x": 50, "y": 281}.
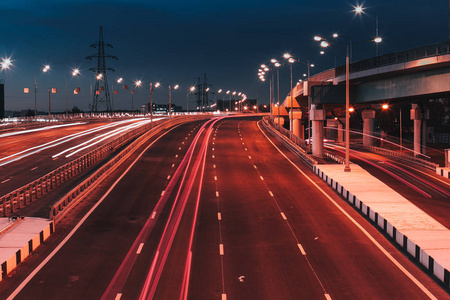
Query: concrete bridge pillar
{"x": 425, "y": 117}
{"x": 368, "y": 117}
{"x": 297, "y": 127}
{"x": 317, "y": 117}
{"x": 416, "y": 115}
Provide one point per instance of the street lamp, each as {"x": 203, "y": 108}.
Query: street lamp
{"x": 170, "y": 99}
{"x": 74, "y": 73}
{"x": 324, "y": 43}
{"x": 189, "y": 91}
{"x": 157, "y": 84}
{"x": 360, "y": 10}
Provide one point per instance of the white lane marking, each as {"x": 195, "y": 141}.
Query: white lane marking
{"x": 283, "y": 216}
{"x": 214, "y": 166}
{"x": 214, "y": 138}
{"x": 176, "y": 156}
{"x": 270, "y": 193}
{"x": 168, "y": 177}
{"x": 262, "y": 178}
{"x": 173, "y": 165}
{"x": 182, "y": 143}
{"x": 243, "y": 143}
{"x": 217, "y": 194}
{"x": 213, "y": 156}
{"x": 212, "y": 149}
{"x": 301, "y": 249}
{"x": 254, "y": 166}
{"x": 327, "y": 296}
{"x": 6, "y": 180}
{"x": 55, "y": 158}
{"x": 215, "y": 177}
{"x": 246, "y": 149}
{"x": 241, "y": 139}
{"x": 162, "y": 193}
{"x": 213, "y": 143}
{"x": 219, "y": 216}
{"x": 224, "y": 296}
{"x": 367, "y": 234}
{"x": 34, "y": 168}
{"x": 221, "y": 249}
{"x": 179, "y": 148}
{"x": 153, "y": 215}
{"x": 249, "y": 157}
{"x": 119, "y": 295}
{"x": 140, "y": 248}
{"x": 185, "y": 138}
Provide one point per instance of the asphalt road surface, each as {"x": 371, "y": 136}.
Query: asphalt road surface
{"x": 212, "y": 210}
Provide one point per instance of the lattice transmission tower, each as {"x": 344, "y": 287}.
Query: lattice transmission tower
{"x": 202, "y": 89}
{"x": 101, "y": 91}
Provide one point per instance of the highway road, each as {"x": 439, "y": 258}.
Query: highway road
{"x": 29, "y": 154}
{"x": 213, "y": 210}
{"x": 420, "y": 185}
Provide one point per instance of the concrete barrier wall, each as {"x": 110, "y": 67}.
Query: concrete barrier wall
{"x": 407, "y": 245}
{"x": 8, "y": 265}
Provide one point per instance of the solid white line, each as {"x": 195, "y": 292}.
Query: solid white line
{"x": 367, "y": 234}
{"x": 221, "y": 249}
{"x": 283, "y": 216}
{"x": 6, "y": 180}
{"x": 270, "y": 193}
{"x": 219, "y": 216}
{"x": 140, "y": 248}
{"x": 153, "y": 215}
{"x": 119, "y": 295}
{"x": 34, "y": 168}
{"x": 301, "y": 249}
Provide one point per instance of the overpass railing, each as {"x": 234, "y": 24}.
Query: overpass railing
{"x": 396, "y": 58}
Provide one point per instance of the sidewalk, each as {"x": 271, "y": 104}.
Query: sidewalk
{"x": 421, "y": 236}
{"x": 19, "y": 238}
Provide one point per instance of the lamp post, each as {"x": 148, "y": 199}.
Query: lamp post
{"x": 170, "y": 99}
{"x": 190, "y": 90}
{"x": 228, "y": 93}
{"x": 44, "y": 70}
{"x": 157, "y": 85}
{"x": 325, "y": 43}
{"x": 360, "y": 10}
{"x": 75, "y": 72}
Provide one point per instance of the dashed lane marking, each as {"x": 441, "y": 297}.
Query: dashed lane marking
{"x": 221, "y": 249}
{"x": 168, "y": 177}
{"x": 6, "y": 180}
{"x": 140, "y": 248}
{"x": 162, "y": 193}
{"x": 262, "y": 178}
{"x": 34, "y": 168}
{"x": 270, "y": 193}
{"x": 215, "y": 177}
{"x": 119, "y": 295}
{"x": 153, "y": 215}
{"x": 217, "y": 194}
{"x": 283, "y": 216}
{"x": 219, "y": 216}
{"x": 301, "y": 249}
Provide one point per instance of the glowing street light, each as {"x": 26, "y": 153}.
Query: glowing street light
{"x": 75, "y": 72}
{"x": 360, "y": 10}
{"x": 6, "y": 63}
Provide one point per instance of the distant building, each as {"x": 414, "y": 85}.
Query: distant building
{"x": 232, "y": 105}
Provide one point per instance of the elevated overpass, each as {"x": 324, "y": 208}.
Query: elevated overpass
{"x": 412, "y": 76}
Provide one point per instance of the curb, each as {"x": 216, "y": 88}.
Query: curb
{"x": 8, "y": 265}
{"x": 383, "y": 225}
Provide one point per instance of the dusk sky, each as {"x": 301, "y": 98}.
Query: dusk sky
{"x": 174, "y": 42}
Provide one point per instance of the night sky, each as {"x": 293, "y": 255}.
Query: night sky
{"x": 174, "y": 42}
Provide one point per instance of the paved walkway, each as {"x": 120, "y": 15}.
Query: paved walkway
{"x": 420, "y": 235}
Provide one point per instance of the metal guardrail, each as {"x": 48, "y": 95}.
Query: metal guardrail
{"x": 60, "y": 208}
{"x": 396, "y": 58}
{"x": 289, "y": 143}
{"x": 415, "y": 160}
{"x": 21, "y": 197}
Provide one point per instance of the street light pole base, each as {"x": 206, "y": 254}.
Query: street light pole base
{"x": 347, "y": 169}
